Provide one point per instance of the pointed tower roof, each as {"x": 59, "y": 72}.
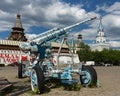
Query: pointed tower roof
{"x": 100, "y": 27}
{"x": 100, "y": 38}
{"x": 18, "y": 23}
{"x": 101, "y": 41}
{"x": 18, "y": 32}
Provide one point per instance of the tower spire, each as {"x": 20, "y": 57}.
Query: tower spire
{"x": 18, "y": 32}
{"x": 100, "y": 38}
{"x": 100, "y": 25}
{"x": 101, "y": 42}
{"x": 18, "y": 23}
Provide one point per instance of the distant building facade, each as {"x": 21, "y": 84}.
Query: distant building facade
{"x": 101, "y": 42}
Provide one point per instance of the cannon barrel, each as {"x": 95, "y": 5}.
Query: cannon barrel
{"x": 50, "y": 35}
{"x": 44, "y": 33}
{"x": 56, "y": 32}
{"x": 79, "y": 23}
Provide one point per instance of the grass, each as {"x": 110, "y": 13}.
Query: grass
{"x": 56, "y": 83}
{"x": 73, "y": 87}
{"x": 2, "y": 93}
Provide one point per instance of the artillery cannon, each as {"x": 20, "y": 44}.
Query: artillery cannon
{"x": 41, "y": 67}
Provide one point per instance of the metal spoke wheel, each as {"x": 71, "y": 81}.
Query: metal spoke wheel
{"x": 37, "y": 80}
{"x": 89, "y": 76}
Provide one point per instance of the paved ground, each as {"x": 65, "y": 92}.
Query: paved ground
{"x": 109, "y": 78}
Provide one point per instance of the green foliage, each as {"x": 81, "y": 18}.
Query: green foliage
{"x": 2, "y": 93}
{"x": 85, "y": 53}
{"x": 106, "y": 56}
{"x": 37, "y": 91}
{"x": 73, "y": 87}
{"x": 55, "y": 83}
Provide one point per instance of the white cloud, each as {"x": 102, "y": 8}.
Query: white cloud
{"x": 114, "y": 7}
{"x": 103, "y": 7}
{"x": 30, "y": 36}
{"x": 46, "y": 13}
{"x": 9, "y": 1}
{"x": 110, "y": 21}
{"x": 112, "y": 26}
{"x": 87, "y": 34}
{"x": 59, "y": 13}
{"x": 5, "y": 26}
{"x": 54, "y": 13}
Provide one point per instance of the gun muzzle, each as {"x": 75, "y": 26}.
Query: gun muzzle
{"x": 93, "y": 18}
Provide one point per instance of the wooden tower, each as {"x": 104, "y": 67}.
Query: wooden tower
{"x": 18, "y": 32}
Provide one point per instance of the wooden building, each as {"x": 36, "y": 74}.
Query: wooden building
{"x": 9, "y": 49}
{"x": 18, "y": 32}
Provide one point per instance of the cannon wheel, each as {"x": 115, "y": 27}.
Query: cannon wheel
{"x": 89, "y": 76}
{"x": 37, "y": 80}
{"x": 20, "y": 70}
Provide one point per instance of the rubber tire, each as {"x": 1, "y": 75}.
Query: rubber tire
{"x": 93, "y": 75}
{"x": 20, "y": 73}
{"x": 40, "y": 79}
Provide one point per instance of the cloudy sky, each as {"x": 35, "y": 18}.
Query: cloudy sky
{"x": 38, "y": 16}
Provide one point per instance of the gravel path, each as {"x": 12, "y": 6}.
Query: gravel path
{"x": 108, "y": 78}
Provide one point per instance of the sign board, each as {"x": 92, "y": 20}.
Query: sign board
{"x": 11, "y": 56}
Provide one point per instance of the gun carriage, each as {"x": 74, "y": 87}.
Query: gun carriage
{"x": 41, "y": 67}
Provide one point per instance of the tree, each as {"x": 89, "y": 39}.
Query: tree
{"x": 106, "y": 55}
{"x": 85, "y": 53}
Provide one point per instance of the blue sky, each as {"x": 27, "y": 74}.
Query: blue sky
{"x": 38, "y": 16}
